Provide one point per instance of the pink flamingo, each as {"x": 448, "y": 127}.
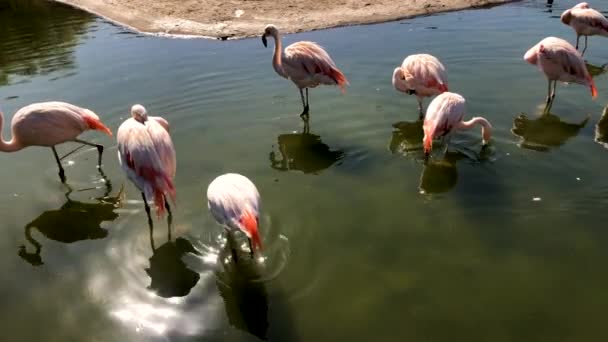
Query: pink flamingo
{"x": 50, "y": 124}
{"x": 444, "y": 115}
{"x": 146, "y": 154}
{"x": 422, "y": 75}
{"x": 234, "y": 202}
{"x": 559, "y": 61}
{"x": 586, "y": 22}
{"x": 305, "y": 63}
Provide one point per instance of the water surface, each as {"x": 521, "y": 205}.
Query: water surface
{"x": 363, "y": 240}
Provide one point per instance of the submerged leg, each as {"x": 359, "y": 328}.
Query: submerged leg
{"x": 99, "y": 150}
{"x": 420, "y": 111}
{"x": 250, "y": 248}
{"x": 230, "y": 242}
{"x": 548, "y": 93}
{"x": 61, "y": 172}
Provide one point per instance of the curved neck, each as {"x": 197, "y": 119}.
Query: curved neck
{"x": 278, "y": 52}
{"x": 7, "y": 146}
{"x": 486, "y": 127}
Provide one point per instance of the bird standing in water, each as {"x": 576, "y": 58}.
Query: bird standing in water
{"x": 49, "y": 124}
{"x": 559, "y": 61}
{"x": 146, "y": 154}
{"x": 586, "y": 22}
{"x": 422, "y": 75}
{"x": 234, "y": 202}
{"x": 305, "y": 63}
{"x": 444, "y": 115}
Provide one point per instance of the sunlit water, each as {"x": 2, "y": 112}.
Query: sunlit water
{"x": 363, "y": 241}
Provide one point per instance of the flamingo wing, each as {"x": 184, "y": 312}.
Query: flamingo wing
{"x": 313, "y": 60}
{"x": 592, "y": 18}
{"x": 139, "y": 158}
{"x": 163, "y": 145}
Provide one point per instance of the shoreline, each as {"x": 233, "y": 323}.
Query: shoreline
{"x": 240, "y": 19}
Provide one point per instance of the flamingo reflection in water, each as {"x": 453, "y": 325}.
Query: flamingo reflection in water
{"x": 440, "y": 176}
{"x": 74, "y": 221}
{"x": 169, "y": 275}
{"x": 407, "y": 137}
{"x": 303, "y": 152}
{"x": 601, "y": 129}
{"x": 546, "y": 131}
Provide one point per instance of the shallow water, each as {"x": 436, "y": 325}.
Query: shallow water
{"x": 363, "y": 241}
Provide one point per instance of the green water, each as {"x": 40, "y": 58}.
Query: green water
{"x": 364, "y": 242}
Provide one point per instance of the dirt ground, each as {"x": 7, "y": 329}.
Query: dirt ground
{"x": 245, "y": 18}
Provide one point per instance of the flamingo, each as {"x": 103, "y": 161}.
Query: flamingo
{"x": 422, "y": 75}
{"x": 586, "y": 22}
{"x": 234, "y": 202}
{"x": 305, "y": 63}
{"x": 146, "y": 154}
{"x": 444, "y": 115}
{"x": 50, "y": 124}
{"x": 559, "y": 61}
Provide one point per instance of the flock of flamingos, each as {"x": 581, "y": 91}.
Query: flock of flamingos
{"x": 146, "y": 152}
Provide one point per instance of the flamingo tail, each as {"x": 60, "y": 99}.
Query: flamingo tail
{"x": 339, "y": 78}
{"x": 160, "y": 186}
{"x": 96, "y": 124}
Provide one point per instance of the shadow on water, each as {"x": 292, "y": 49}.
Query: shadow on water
{"x": 407, "y": 137}
{"x": 250, "y": 304}
{"x": 74, "y": 221}
{"x": 440, "y": 176}
{"x": 544, "y": 132}
{"x": 304, "y": 152}
{"x": 169, "y": 274}
{"x": 601, "y": 129}
{"x": 596, "y": 70}
{"x": 38, "y": 37}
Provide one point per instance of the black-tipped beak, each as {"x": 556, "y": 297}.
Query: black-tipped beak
{"x": 264, "y": 41}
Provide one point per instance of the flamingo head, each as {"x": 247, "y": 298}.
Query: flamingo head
{"x": 139, "y": 113}
{"x": 399, "y": 80}
{"x": 269, "y": 30}
{"x": 531, "y": 55}
{"x": 248, "y": 223}
{"x": 566, "y": 17}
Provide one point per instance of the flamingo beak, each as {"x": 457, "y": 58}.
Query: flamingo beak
{"x": 264, "y": 41}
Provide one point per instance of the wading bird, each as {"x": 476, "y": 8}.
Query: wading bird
{"x": 146, "y": 154}
{"x": 559, "y": 61}
{"x": 586, "y": 22}
{"x": 234, "y": 202}
{"x": 305, "y": 63}
{"x": 421, "y": 75}
{"x": 50, "y": 124}
{"x": 444, "y": 115}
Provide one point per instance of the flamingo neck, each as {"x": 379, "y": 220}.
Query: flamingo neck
{"x": 278, "y": 52}
{"x": 8, "y": 146}
{"x": 486, "y": 127}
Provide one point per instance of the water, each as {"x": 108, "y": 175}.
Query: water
{"x": 363, "y": 240}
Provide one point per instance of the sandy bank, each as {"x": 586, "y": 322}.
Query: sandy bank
{"x": 245, "y": 18}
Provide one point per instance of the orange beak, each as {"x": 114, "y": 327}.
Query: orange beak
{"x": 249, "y": 223}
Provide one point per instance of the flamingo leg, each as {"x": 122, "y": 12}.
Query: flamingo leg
{"x": 169, "y": 219}
{"x": 147, "y": 209}
{"x": 420, "y": 111}
{"x": 304, "y": 103}
{"x": 71, "y": 152}
{"x": 99, "y": 150}
{"x": 230, "y": 242}
{"x": 585, "y": 49}
{"x": 61, "y": 172}
{"x": 577, "y": 39}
